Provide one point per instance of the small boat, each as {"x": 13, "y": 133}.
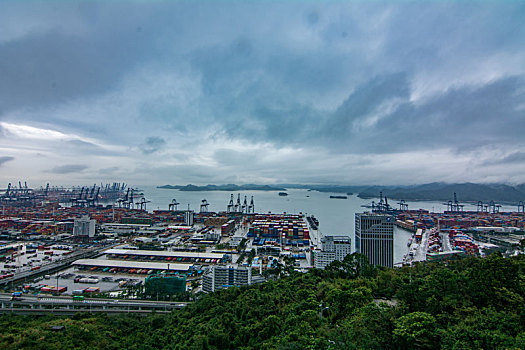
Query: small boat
{"x": 283, "y": 194}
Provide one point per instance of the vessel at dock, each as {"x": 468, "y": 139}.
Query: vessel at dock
{"x": 314, "y": 223}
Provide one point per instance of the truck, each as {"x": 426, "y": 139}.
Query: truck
{"x": 16, "y": 296}
{"x": 88, "y": 280}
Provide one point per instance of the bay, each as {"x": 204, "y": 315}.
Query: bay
{"x": 336, "y": 216}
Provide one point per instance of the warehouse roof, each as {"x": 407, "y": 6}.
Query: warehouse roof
{"x": 132, "y": 264}
{"x": 164, "y": 253}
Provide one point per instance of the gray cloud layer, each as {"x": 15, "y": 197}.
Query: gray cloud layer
{"x": 5, "y": 159}
{"x": 68, "y": 169}
{"x": 255, "y": 92}
{"x": 153, "y": 144}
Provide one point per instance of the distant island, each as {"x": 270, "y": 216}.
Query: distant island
{"x": 437, "y": 191}
{"x": 229, "y": 187}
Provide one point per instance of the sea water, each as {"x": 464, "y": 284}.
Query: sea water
{"x": 336, "y": 216}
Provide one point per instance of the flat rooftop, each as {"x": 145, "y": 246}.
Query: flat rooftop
{"x": 131, "y": 264}
{"x": 112, "y": 224}
{"x": 162, "y": 253}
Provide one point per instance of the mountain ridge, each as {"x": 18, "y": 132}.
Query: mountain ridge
{"x": 435, "y": 191}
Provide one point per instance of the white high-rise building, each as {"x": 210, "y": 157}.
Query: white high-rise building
{"x": 226, "y": 276}
{"x": 374, "y": 237}
{"x": 189, "y": 217}
{"x": 332, "y": 248}
{"x": 84, "y": 227}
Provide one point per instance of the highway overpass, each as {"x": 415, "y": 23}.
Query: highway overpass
{"x": 29, "y": 304}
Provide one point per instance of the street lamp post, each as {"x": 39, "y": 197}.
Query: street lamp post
{"x": 322, "y": 310}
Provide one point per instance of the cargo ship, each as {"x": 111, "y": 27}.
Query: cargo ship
{"x": 339, "y": 197}
{"x": 314, "y": 223}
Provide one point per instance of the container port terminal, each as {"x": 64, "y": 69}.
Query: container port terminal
{"x": 101, "y": 241}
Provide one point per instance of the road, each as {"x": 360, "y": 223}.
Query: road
{"x": 445, "y": 242}
{"x": 418, "y": 250}
{"x": 54, "y": 303}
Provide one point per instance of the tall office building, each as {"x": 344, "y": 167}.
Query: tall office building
{"x": 374, "y": 237}
{"x": 84, "y": 227}
{"x": 332, "y": 248}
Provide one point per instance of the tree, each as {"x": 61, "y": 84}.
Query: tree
{"x": 289, "y": 264}
{"x": 416, "y": 330}
{"x": 353, "y": 266}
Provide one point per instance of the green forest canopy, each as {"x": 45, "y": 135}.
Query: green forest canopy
{"x": 473, "y": 303}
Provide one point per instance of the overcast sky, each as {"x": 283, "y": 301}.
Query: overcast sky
{"x": 156, "y": 92}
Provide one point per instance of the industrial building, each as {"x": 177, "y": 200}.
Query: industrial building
{"x": 226, "y": 276}
{"x": 374, "y": 237}
{"x": 128, "y": 266}
{"x": 84, "y": 227}
{"x": 166, "y": 256}
{"x": 332, "y": 248}
{"x": 124, "y": 229}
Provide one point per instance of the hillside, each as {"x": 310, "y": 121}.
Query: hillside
{"x": 467, "y": 192}
{"x": 437, "y": 191}
{"x": 469, "y": 304}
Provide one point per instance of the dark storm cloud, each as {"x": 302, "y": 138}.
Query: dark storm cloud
{"x": 68, "y": 169}
{"x": 52, "y": 66}
{"x": 5, "y": 159}
{"x": 466, "y": 117}
{"x": 364, "y": 102}
{"x": 152, "y": 144}
{"x": 227, "y": 84}
{"x": 462, "y": 119}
